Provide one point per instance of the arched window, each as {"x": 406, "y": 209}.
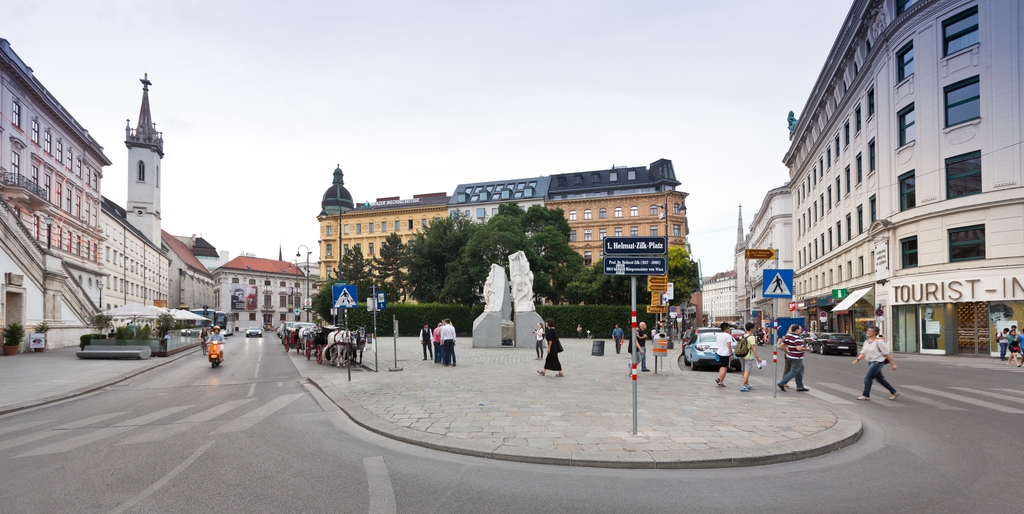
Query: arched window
{"x": 586, "y": 214}
{"x": 634, "y": 211}
{"x": 618, "y": 212}
{"x": 142, "y": 172}
{"x": 572, "y": 215}
{"x": 603, "y": 213}
{"x": 158, "y": 176}
{"x": 654, "y": 210}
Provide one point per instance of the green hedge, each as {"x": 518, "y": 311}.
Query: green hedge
{"x": 86, "y": 339}
{"x": 599, "y": 319}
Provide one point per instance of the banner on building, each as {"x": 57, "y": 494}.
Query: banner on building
{"x": 238, "y": 297}
{"x": 250, "y": 298}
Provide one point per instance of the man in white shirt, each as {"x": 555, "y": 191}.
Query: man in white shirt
{"x": 447, "y": 343}
{"x": 724, "y": 340}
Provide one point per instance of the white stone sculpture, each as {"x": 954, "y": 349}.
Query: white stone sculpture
{"x": 522, "y": 282}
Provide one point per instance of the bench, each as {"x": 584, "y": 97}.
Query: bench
{"x": 104, "y": 351}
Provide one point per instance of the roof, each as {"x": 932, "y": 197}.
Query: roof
{"x": 121, "y": 215}
{"x": 203, "y": 248}
{"x": 491, "y": 191}
{"x": 182, "y": 251}
{"x": 263, "y": 266}
{"x": 659, "y": 176}
{"x": 394, "y": 203}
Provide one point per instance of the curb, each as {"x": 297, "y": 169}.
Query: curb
{"x": 87, "y": 389}
{"x": 847, "y": 430}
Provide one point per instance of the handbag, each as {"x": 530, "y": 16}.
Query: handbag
{"x": 557, "y": 346}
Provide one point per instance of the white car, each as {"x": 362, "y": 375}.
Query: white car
{"x": 254, "y": 332}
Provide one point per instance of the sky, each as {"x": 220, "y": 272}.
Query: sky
{"x": 259, "y": 100}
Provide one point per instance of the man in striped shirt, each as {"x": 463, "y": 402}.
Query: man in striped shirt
{"x": 795, "y": 353}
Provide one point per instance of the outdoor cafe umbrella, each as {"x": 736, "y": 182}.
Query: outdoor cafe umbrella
{"x": 183, "y": 315}
{"x": 134, "y": 310}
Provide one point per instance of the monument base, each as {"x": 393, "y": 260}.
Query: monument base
{"x": 526, "y": 328}
{"x": 487, "y": 330}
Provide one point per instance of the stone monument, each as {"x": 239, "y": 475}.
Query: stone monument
{"x": 487, "y": 328}
{"x": 526, "y": 317}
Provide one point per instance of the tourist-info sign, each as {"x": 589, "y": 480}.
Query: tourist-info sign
{"x": 635, "y": 245}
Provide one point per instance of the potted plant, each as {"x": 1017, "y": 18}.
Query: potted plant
{"x": 42, "y": 328}
{"x": 13, "y": 334}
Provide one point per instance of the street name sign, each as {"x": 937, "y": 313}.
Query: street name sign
{"x": 651, "y": 245}
{"x": 635, "y": 266}
{"x": 760, "y": 254}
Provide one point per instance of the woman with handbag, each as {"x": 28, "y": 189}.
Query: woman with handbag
{"x": 877, "y": 353}
{"x": 1013, "y": 346}
{"x": 554, "y": 348}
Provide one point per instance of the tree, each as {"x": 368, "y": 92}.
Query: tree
{"x": 356, "y": 270}
{"x": 682, "y": 272}
{"x": 434, "y": 255}
{"x": 390, "y": 267}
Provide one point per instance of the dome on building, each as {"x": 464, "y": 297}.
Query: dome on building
{"x": 337, "y": 198}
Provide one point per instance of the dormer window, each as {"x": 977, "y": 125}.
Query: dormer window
{"x": 579, "y": 180}
{"x": 631, "y": 175}
{"x": 506, "y": 194}
{"x": 613, "y": 176}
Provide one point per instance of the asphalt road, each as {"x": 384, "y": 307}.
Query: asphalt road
{"x": 251, "y": 437}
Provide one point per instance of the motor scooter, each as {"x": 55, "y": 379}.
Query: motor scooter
{"x": 216, "y": 349}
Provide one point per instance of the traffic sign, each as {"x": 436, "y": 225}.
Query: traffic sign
{"x": 296, "y": 312}
{"x": 657, "y": 283}
{"x": 759, "y": 254}
{"x": 823, "y": 316}
{"x": 382, "y": 300}
{"x": 777, "y": 283}
{"x": 635, "y": 266}
{"x": 307, "y": 303}
{"x": 656, "y": 299}
{"x": 648, "y": 245}
{"x": 344, "y": 296}
{"x": 655, "y": 309}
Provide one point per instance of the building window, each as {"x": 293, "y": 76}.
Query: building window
{"x": 572, "y": 215}
{"x": 677, "y": 231}
{"x": 871, "y": 156}
{"x": 908, "y": 198}
{"x": 16, "y": 114}
{"x": 47, "y": 142}
{"x": 905, "y": 122}
{"x": 35, "y": 132}
{"x": 837, "y": 191}
{"x": 330, "y": 250}
{"x": 960, "y": 31}
{"x": 618, "y": 212}
{"x": 905, "y": 61}
{"x": 830, "y": 198}
{"x": 963, "y": 175}
{"x": 908, "y": 252}
{"x": 15, "y": 162}
{"x": 60, "y": 152}
{"x": 634, "y": 231}
{"x": 602, "y": 233}
{"x": 871, "y": 102}
{"x": 586, "y": 214}
{"x": 967, "y": 243}
{"x": 329, "y": 229}
{"x": 653, "y": 211}
{"x": 631, "y": 175}
{"x": 603, "y": 213}
{"x": 359, "y": 228}
{"x": 846, "y": 133}
{"x": 588, "y": 235}
{"x": 618, "y": 231}
{"x": 902, "y": 5}
{"x": 572, "y": 236}
{"x": 829, "y": 240}
{"x": 654, "y": 231}
{"x": 371, "y": 225}
{"x": 874, "y": 213}
{"x": 588, "y": 258}
{"x": 860, "y": 219}
{"x": 828, "y": 155}
{"x": 856, "y": 119}
{"x": 860, "y": 169}
{"x": 849, "y": 227}
{"x": 847, "y": 175}
{"x": 963, "y": 101}
{"x": 140, "y": 169}
{"x": 837, "y": 146}
{"x": 35, "y": 175}
{"x": 370, "y": 248}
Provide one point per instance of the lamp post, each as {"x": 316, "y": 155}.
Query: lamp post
{"x": 298, "y": 254}
{"x": 49, "y": 225}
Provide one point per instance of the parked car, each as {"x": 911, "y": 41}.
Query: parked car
{"x": 254, "y": 332}
{"x": 829, "y": 342}
{"x": 702, "y": 351}
{"x": 692, "y": 332}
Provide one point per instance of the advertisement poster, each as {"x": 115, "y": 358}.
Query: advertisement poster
{"x": 37, "y": 340}
{"x": 238, "y": 297}
{"x": 250, "y": 299}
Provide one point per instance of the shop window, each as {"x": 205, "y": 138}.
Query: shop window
{"x": 908, "y": 252}
{"x": 967, "y": 243}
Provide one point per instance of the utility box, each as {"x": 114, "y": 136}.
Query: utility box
{"x": 598, "y": 349}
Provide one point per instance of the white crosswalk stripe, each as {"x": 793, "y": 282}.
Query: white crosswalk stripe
{"x": 929, "y": 401}
{"x": 258, "y": 415}
{"x": 966, "y": 399}
{"x": 21, "y": 426}
{"x": 835, "y": 400}
{"x": 165, "y": 432}
{"x": 103, "y": 433}
{"x": 38, "y": 436}
{"x": 856, "y": 392}
{"x": 990, "y": 395}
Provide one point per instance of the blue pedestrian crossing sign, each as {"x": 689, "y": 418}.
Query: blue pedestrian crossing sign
{"x": 344, "y": 296}
{"x": 777, "y": 283}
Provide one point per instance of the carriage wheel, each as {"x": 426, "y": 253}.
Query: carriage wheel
{"x": 309, "y": 351}
{"x": 298, "y": 348}
{"x": 319, "y": 355}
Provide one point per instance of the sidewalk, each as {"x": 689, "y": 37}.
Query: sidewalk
{"x": 495, "y": 405}
{"x": 37, "y": 378}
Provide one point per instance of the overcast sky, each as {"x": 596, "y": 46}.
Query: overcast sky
{"x": 260, "y": 100}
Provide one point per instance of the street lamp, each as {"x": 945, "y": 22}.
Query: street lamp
{"x": 298, "y": 254}
{"x": 49, "y": 225}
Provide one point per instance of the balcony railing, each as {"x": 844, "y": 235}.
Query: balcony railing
{"x": 18, "y": 180}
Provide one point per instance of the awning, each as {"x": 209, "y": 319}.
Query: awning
{"x": 850, "y": 300}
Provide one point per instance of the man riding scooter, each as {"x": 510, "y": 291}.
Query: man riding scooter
{"x": 216, "y": 347}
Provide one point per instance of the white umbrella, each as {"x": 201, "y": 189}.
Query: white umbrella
{"x": 183, "y": 315}
{"x": 134, "y": 310}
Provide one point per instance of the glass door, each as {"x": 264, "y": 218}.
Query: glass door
{"x": 972, "y": 328}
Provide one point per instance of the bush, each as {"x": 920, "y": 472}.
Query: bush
{"x": 86, "y": 339}
{"x": 411, "y": 317}
{"x": 14, "y": 333}
{"x": 600, "y": 320}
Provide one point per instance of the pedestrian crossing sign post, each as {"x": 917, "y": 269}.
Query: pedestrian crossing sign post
{"x": 344, "y": 296}
{"x": 777, "y": 283}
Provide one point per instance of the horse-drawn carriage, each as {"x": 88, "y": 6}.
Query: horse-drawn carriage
{"x": 337, "y": 345}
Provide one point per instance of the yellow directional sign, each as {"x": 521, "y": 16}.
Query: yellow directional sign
{"x": 759, "y": 254}
{"x": 656, "y": 299}
{"x": 657, "y": 283}
{"x": 653, "y": 309}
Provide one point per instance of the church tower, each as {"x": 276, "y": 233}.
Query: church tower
{"x": 145, "y": 151}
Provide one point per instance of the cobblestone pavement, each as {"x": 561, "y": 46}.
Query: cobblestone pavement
{"x": 494, "y": 404}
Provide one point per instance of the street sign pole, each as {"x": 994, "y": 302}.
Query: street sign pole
{"x": 632, "y": 283}
{"x": 775, "y": 307}
{"x": 394, "y": 327}
{"x": 376, "y": 368}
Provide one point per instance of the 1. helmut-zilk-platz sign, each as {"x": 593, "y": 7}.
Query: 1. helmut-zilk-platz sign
{"x": 635, "y": 245}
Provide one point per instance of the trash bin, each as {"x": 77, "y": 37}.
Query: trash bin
{"x": 598, "y": 349}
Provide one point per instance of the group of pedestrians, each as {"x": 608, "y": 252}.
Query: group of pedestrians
{"x": 439, "y": 343}
{"x": 1009, "y": 340}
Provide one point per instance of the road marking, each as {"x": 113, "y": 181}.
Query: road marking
{"x": 933, "y": 403}
{"x": 855, "y": 393}
{"x": 1017, "y": 391}
{"x": 36, "y": 436}
{"x": 257, "y": 415}
{"x": 163, "y": 481}
{"x": 280, "y": 384}
{"x": 382, "y": 494}
{"x": 165, "y": 432}
{"x": 990, "y": 395}
{"x": 828, "y": 397}
{"x": 22, "y": 426}
{"x": 252, "y": 389}
{"x": 103, "y": 433}
{"x": 967, "y": 399}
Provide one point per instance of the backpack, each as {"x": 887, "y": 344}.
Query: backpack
{"x": 742, "y": 347}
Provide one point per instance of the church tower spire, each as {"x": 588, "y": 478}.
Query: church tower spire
{"x": 145, "y": 152}
{"x": 739, "y": 227}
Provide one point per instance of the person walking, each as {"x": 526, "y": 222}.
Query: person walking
{"x": 447, "y": 343}
{"x": 641, "y": 346}
{"x": 876, "y": 351}
{"x": 750, "y": 359}
{"x": 724, "y": 341}
{"x": 795, "y": 355}
{"x": 579, "y": 331}
{"x": 617, "y": 336}
{"x": 1001, "y": 339}
{"x": 1014, "y": 348}
{"x": 427, "y": 340}
{"x": 539, "y": 334}
{"x": 437, "y": 344}
{"x": 554, "y": 348}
